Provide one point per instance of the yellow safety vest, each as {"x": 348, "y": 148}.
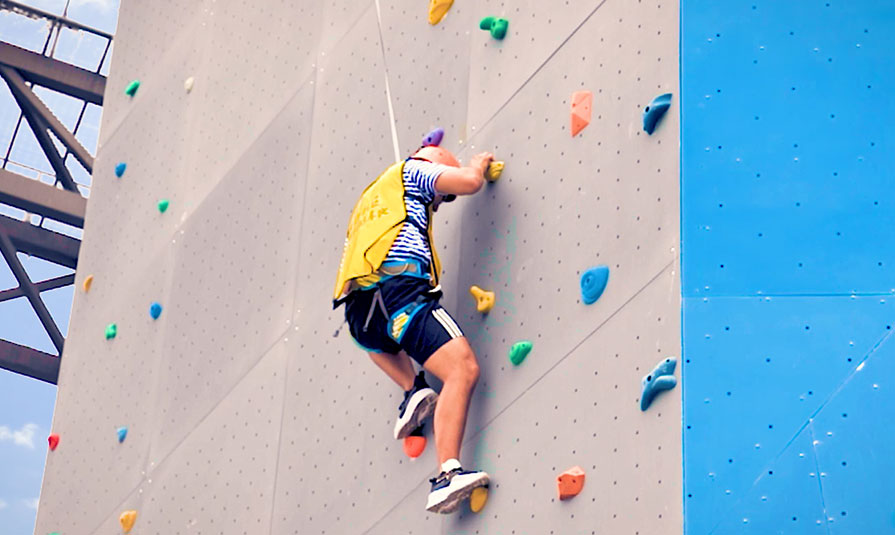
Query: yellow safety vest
{"x": 376, "y": 221}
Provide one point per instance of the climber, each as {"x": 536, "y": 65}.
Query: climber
{"x": 388, "y": 280}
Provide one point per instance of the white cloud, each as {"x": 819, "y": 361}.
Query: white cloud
{"x": 3, "y": 505}
{"x": 32, "y": 503}
{"x": 22, "y": 437}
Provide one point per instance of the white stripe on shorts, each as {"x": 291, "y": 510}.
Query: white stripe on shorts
{"x": 447, "y": 322}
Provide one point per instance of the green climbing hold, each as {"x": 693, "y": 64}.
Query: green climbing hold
{"x": 163, "y": 205}
{"x": 132, "y": 87}
{"x": 111, "y": 331}
{"x": 519, "y": 351}
{"x": 497, "y": 26}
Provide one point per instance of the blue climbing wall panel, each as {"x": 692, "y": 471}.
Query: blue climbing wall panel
{"x": 788, "y": 255}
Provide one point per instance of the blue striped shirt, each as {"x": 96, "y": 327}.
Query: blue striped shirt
{"x": 419, "y": 192}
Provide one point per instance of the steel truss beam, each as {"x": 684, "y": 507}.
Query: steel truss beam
{"x": 40, "y": 242}
{"x": 28, "y": 101}
{"x": 31, "y": 292}
{"x": 30, "y": 362}
{"x": 42, "y": 286}
{"x": 54, "y": 74}
{"x": 39, "y": 198}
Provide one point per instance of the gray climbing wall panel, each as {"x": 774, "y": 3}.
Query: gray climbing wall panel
{"x": 245, "y": 413}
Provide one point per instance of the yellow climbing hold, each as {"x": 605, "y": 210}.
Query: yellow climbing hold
{"x": 438, "y": 9}
{"x": 88, "y": 282}
{"x": 478, "y": 499}
{"x": 494, "y": 171}
{"x": 188, "y": 84}
{"x": 484, "y": 301}
{"x": 127, "y": 520}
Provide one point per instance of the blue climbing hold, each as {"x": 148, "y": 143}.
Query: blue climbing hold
{"x": 122, "y": 434}
{"x": 434, "y": 137}
{"x": 119, "y": 169}
{"x": 658, "y": 380}
{"x": 155, "y": 310}
{"x": 593, "y": 282}
{"x": 654, "y": 111}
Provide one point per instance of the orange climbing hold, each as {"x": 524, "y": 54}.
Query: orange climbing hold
{"x": 484, "y": 301}
{"x": 53, "y": 439}
{"x": 582, "y": 102}
{"x": 127, "y": 520}
{"x": 438, "y": 9}
{"x": 414, "y": 446}
{"x": 88, "y": 282}
{"x": 570, "y": 482}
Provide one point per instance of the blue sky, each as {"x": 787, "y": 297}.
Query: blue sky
{"x": 26, "y": 405}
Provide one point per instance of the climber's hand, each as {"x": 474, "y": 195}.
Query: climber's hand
{"x": 481, "y": 161}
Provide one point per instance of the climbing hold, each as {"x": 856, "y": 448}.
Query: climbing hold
{"x": 438, "y": 9}
{"x": 132, "y": 87}
{"x": 163, "y": 205}
{"x": 593, "y": 282}
{"x": 478, "y": 499}
{"x": 484, "y": 301}
{"x": 415, "y": 443}
{"x": 519, "y": 351}
{"x": 111, "y": 331}
{"x": 497, "y": 26}
{"x": 53, "y": 439}
{"x": 654, "y": 111}
{"x": 127, "y": 520}
{"x": 433, "y": 138}
{"x": 88, "y": 282}
{"x": 658, "y": 380}
{"x": 119, "y": 169}
{"x": 495, "y": 169}
{"x": 155, "y": 310}
{"x": 188, "y": 84}
{"x": 582, "y": 102}
{"x": 570, "y": 482}
{"x": 122, "y": 434}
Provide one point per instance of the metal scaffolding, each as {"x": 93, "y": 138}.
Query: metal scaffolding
{"x": 63, "y": 201}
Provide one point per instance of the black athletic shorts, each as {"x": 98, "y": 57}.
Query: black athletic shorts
{"x": 414, "y": 322}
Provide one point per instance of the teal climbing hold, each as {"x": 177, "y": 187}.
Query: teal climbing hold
{"x": 155, "y": 310}
{"x": 593, "y": 282}
{"x": 519, "y": 351}
{"x": 497, "y": 26}
{"x": 111, "y": 331}
{"x": 122, "y": 434}
{"x": 654, "y": 111}
{"x": 163, "y": 205}
{"x": 131, "y": 88}
{"x": 658, "y": 380}
{"x": 119, "y": 169}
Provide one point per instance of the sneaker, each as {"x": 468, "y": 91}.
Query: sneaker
{"x": 449, "y": 489}
{"x": 419, "y": 404}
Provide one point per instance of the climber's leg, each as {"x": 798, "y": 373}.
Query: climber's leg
{"x": 398, "y": 367}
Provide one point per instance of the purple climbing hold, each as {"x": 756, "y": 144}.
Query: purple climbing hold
{"x": 434, "y": 137}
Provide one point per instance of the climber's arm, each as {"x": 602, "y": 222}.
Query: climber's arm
{"x": 464, "y": 180}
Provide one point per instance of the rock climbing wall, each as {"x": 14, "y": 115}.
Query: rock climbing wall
{"x": 787, "y": 266}
{"x": 245, "y": 413}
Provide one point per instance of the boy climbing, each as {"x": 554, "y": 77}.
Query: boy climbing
{"x": 388, "y": 281}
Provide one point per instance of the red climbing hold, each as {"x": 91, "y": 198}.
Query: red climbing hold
{"x": 570, "y": 482}
{"x": 414, "y": 446}
{"x": 582, "y": 102}
{"x": 54, "y": 441}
